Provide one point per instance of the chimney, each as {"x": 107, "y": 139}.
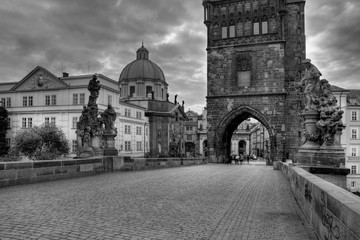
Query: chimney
{"x": 65, "y": 74}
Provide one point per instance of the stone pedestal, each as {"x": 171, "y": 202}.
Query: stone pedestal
{"x": 110, "y": 149}
{"x": 95, "y": 142}
{"x": 311, "y": 153}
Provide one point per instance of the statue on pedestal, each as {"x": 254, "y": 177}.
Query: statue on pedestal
{"x": 310, "y": 83}
{"x": 90, "y": 131}
{"x": 108, "y": 117}
{"x": 321, "y": 120}
{"x": 94, "y": 88}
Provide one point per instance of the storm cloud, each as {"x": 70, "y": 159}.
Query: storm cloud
{"x": 88, "y": 36}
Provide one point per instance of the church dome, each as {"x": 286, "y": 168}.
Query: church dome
{"x": 142, "y": 68}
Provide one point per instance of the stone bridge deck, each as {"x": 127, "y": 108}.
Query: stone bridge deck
{"x": 200, "y": 202}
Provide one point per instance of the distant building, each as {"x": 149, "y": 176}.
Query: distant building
{"x": 43, "y": 98}
{"x": 349, "y": 101}
{"x": 148, "y": 123}
{"x": 142, "y": 83}
{"x": 191, "y": 134}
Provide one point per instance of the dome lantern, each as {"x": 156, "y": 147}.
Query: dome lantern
{"x": 142, "y": 53}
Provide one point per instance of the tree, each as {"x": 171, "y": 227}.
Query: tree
{"x": 46, "y": 142}
{"x": 3, "y": 129}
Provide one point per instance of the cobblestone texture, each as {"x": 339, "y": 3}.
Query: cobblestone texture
{"x": 200, "y": 202}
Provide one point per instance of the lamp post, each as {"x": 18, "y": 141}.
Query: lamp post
{"x": 284, "y": 144}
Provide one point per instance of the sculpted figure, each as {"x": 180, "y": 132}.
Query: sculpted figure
{"x": 108, "y": 117}
{"x": 310, "y": 83}
{"x": 93, "y": 87}
{"x": 175, "y": 101}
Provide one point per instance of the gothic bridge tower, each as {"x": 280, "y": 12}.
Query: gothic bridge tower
{"x": 254, "y": 54}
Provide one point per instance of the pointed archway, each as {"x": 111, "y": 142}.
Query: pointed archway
{"x": 228, "y": 125}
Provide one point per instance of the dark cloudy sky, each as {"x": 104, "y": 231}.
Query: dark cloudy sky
{"x": 105, "y": 34}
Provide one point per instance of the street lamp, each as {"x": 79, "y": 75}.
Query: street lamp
{"x": 284, "y": 144}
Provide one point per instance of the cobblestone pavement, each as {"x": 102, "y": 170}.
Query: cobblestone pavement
{"x": 213, "y": 201}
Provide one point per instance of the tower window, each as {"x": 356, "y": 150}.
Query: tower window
{"x": 148, "y": 90}
{"x": 264, "y": 27}
{"x": 132, "y": 91}
{"x": 224, "y": 32}
{"x": 256, "y": 28}
{"x": 232, "y": 31}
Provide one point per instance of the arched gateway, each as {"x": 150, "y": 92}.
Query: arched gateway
{"x": 254, "y": 57}
{"x": 229, "y": 124}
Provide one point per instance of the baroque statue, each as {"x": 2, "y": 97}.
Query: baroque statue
{"x": 108, "y": 117}
{"x": 96, "y": 134}
{"x": 321, "y": 118}
{"x": 310, "y": 83}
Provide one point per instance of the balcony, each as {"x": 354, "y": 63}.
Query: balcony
{"x": 353, "y": 158}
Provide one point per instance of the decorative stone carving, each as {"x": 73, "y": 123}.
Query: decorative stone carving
{"x": 108, "y": 117}
{"x": 40, "y": 80}
{"x": 243, "y": 62}
{"x": 92, "y": 136}
{"x": 321, "y": 121}
{"x": 93, "y": 87}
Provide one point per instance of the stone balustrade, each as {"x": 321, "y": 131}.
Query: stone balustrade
{"x": 23, "y": 172}
{"x": 333, "y": 212}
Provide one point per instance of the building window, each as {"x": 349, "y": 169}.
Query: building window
{"x": 189, "y": 137}
{"x": 138, "y": 115}
{"x": 353, "y": 184}
{"x": 47, "y": 121}
{"x": 53, "y": 99}
{"x": 264, "y": 27}
{"x": 148, "y": 90}
{"x": 26, "y": 123}
{"x": 8, "y": 102}
{"x": 74, "y": 122}
{"x": 24, "y": 101}
{"x": 47, "y": 100}
{"x": 353, "y": 169}
{"x": 29, "y": 122}
{"x": 138, "y": 130}
{"x": 256, "y": 28}
{"x": 53, "y": 122}
{"x": 224, "y": 32}
{"x": 232, "y": 31}
{"x": 354, "y": 133}
{"x": 109, "y": 100}
{"x": 27, "y": 101}
{"x": 23, "y": 123}
{"x": 127, "y": 112}
{"x": 127, "y": 129}
{"x": 132, "y": 91}
{"x": 82, "y": 98}
{"x": 75, "y": 98}
{"x": 353, "y": 152}
{"x": 3, "y": 102}
{"x": 127, "y": 146}
{"x": 162, "y": 93}
{"x": 138, "y": 146}
{"x": 354, "y": 116}
{"x": 30, "y": 98}
{"x": 74, "y": 146}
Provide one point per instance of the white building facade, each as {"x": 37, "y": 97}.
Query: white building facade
{"x": 349, "y": 102}
{"x": 43, "y": 98}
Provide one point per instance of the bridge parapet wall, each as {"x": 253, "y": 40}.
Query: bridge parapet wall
{"x": 16, "y": 173}
{"x": 333, "y": 212}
